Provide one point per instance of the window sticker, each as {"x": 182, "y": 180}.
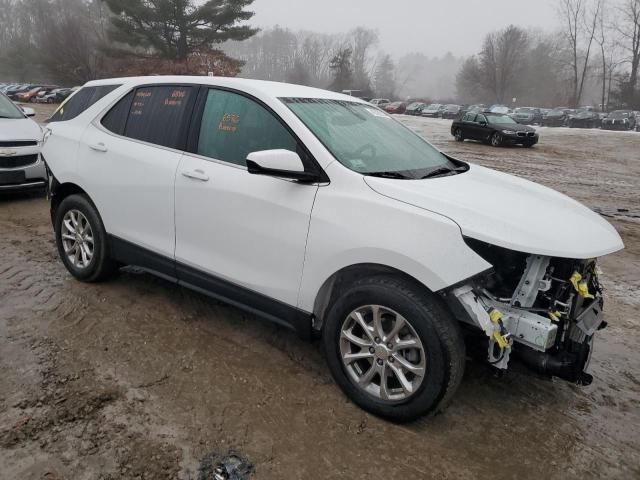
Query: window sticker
{"x": 139, "y": 102}
{"x": 175, "y": 99}
{"x": 229, "y": 122}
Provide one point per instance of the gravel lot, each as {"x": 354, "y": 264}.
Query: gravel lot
{"x": 137, "y": 378}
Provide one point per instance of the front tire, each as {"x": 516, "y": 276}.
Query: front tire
{"x": 496, "y": 140}
{"x": 393, "y": 348}
{"x": 82, "y": 240}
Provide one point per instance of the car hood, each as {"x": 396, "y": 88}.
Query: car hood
{"x": 19, "y": 129}
{"x": 509, "y": 212}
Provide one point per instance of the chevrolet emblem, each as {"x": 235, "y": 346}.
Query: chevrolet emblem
{"x": 6, "y": 152}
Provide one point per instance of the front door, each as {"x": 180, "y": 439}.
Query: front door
{"x": 234, "y": 228}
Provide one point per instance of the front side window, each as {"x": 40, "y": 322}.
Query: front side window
{"x": 469, "y": 117}
{"x": 156, "y": 114}
{"x": 80, "y": 101}
{"x": 366, "y": 140}
{"x": 8, "y": 109}
{"x": 233, "y": 126}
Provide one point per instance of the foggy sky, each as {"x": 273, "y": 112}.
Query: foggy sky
{"x": 429, "y": 26}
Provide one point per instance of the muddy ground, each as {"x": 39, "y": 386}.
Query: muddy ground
{"x": 137, "y": 378}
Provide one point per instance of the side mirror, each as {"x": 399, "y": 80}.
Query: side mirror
{"x": 279, "y": 163}
{"x": 483, "y": 124}
{"x": 29, "y": 112}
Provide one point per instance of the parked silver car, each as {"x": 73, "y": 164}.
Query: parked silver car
{"x": 21, "y": 166}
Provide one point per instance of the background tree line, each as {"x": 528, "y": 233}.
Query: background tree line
{"x": 592, "y": 57}
{"x": 72, "y": 41}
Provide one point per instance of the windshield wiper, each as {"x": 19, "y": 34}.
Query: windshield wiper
{"x": 442, "y": 171}
{"x": 397, "y": 175}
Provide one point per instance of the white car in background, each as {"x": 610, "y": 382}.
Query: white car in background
{"x": 322, "y": 213}
{"x": 380, "y": 102}
{"x": 20, "y": 141}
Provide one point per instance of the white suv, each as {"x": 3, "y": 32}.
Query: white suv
{"x": 322, "y": 213}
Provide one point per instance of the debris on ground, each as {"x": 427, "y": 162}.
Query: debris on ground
{"x": 227, "y": 466}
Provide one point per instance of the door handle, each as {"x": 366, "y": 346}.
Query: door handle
{"x": 98, "y": 147}
{"x": 196, "y": 175}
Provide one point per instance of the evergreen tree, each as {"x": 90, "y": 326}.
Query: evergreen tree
{"x": 342, "y": 71}
{"x": 173, "y": 29}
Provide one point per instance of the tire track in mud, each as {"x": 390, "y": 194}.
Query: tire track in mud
{"x": 193, "y": 374}
{"x": 59, "y": 416}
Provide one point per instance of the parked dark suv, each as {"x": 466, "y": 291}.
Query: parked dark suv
{"x": 619, "y": 120}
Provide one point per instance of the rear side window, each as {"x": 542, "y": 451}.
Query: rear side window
{"x": 79, "y": 102}
{"x": 156, "y": 114}
{"x": 233, "y": 126}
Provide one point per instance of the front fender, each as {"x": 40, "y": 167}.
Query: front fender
{"x": 349, "y": 228}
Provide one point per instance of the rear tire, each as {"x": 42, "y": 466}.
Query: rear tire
{"x": 82, "y": 240}
{"x": 437, "y": 357}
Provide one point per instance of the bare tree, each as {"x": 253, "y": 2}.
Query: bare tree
{"x": 384, "y": 80}
{"x": 501, "y": 60}
{"x": 627, "y": 27}
{"x": 581, "y": 24}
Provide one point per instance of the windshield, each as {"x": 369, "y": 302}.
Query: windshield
{"x": 525, "y": 110}
{"x": 366, "y": 140}
{"x": 501, "y": 119}
{"x": 619, "y": 115}
{"x": 8, "y": 109}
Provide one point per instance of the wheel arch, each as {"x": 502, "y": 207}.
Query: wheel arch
{"x": 59, "y": 191}
{"x": 332, "y": 286}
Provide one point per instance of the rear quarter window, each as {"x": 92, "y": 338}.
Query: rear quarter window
{"x": 80, "y": 101}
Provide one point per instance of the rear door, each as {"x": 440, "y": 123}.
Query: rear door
{"x": 128, "y": 160}
{"x": 468, "y": 126}
{"x": 481, "y": 128}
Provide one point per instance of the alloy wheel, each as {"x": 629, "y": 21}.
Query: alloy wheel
{"x": 77, "y": 238}
{"x": 382, "y": 353}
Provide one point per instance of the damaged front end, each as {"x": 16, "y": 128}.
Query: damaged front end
{"x": 545, "y": 310}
